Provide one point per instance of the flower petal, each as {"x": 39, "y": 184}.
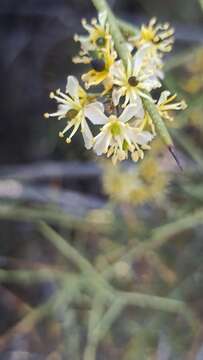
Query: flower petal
{"x": 116, "y": 95}
{"x": 128, "y": 113}
{"x": 138, "y": 59}
{"x": 117, "y": 70}
{"x": 94, "y": 113}
{"x": 72, "y": 87}
{"x": 151, "y": 83}
{"x": 142, "y": 137}
{"x": 136, "y": 100}
{"x": 102, "y": 18}
{"x": 87, "y": 135}
{"x": 163, "y": 97}
{"x": 102, "y": 142}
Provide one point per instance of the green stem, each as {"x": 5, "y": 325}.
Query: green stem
{"x": 127, "y": 29}
{"x": 27, "y": 277}
{"x": 124, "y": 54}
{"x": 159, "y": 237}
{"x": 119, "y": 40}
{"x": 158, "y": 122}
{"x": 83, "y": 264}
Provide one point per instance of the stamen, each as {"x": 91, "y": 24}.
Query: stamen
{"x": 76, "y": 37}
{"x": 51, "y": 95}
{"x": 59, "y": 92}
{"x": 57, "y": 98}
{"x": 83, "y": 22}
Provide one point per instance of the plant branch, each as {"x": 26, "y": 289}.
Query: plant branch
{"x": 159, "y": 237}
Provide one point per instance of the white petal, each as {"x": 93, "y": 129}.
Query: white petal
{"x": 136, "y": 100}
{"x": 138, "y": 59}
{"x": 116, "y": 95}
{"x": 87, "y": 135}
{"x": 128, "y": 113}
{"x": 163, "y": 97}
{"x": 151, "y": 83}
{"x": 64, "y": 108}
{"x": 99, "y": 105}
{"x": 117, "y": 70}
{"x": 143, "y": 137}
{"x": 94, "y": 113}
{"x": 72, "y": 87}
{"x": 102, "y": 142}
{"x": 102, "y": 18}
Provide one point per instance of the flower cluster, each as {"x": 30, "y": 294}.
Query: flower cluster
{"x": 114, "y": 107}
{"x": 136, "y": 185}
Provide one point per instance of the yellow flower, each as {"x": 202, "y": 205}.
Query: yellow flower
{"x": 136, "y": 185}
{"x": 165, "y": 104}
{"x": 98, "y": 34}
{"x": 101, "y": 68}
{"x": 159, "y": 36}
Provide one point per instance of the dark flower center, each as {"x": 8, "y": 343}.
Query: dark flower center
{"x": 98, "y": 65}
{"x": 132, "y": 81}
{"x": 101, "y": 41}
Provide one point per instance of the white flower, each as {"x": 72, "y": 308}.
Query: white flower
{"x": 165, "y": 104}
{"x": 135, "y": 80}
{"x": 71, "y": 106}
{"x": 117, "y": 138}
{"x": 153, "y": 60}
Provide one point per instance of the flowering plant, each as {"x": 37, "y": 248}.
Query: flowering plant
{"x": 124, "y": 70}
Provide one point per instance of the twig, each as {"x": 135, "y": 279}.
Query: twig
{"x": 94, "y": 318}
{"x": 159, "y": 237}
{"x": 53, "y": 216}
{"x": 28, "y": 277}
{"x": 72, "y": 254}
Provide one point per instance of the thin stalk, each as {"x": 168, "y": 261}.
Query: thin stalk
{"x": 127, "y": 29}
{"x": 94, "y": 278}
{"x": 27, "y": 277}
{"x": 159, "y": 237}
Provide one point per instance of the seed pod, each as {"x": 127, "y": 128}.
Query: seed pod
{"x": 98, "y": 65}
